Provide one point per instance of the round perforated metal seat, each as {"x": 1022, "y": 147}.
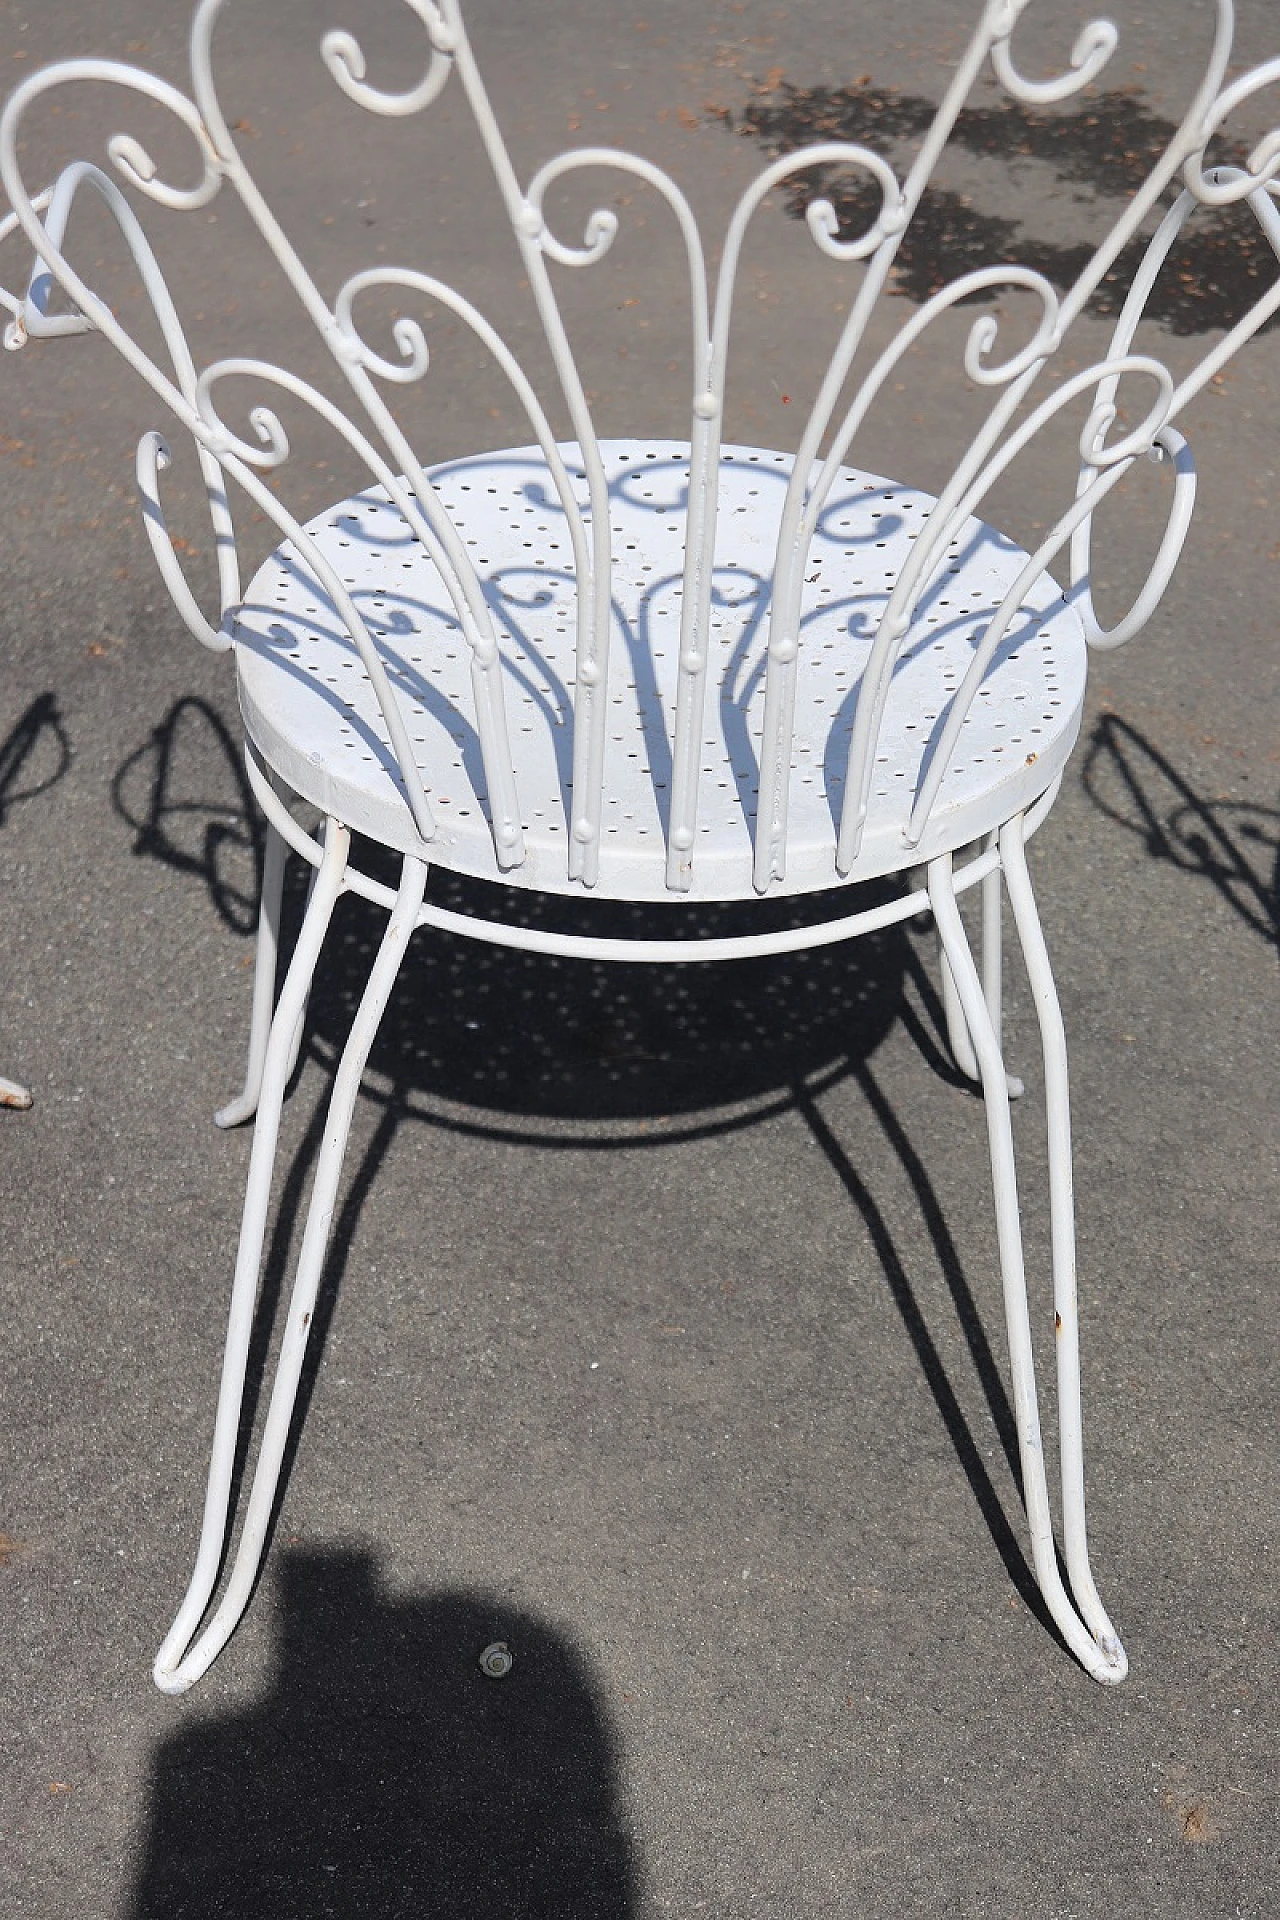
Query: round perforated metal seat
{"x": 311, "y": 712}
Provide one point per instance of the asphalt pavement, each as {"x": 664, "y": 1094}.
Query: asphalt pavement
{"x": 661, "y": 1337}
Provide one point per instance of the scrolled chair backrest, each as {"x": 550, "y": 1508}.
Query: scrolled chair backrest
{"x": 1025, "y": 391}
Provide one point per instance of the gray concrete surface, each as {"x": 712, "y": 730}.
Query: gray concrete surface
{"x": 687, "y": 1380}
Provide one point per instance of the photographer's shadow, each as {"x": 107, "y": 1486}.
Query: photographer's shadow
{"x": 384, "y": 1774}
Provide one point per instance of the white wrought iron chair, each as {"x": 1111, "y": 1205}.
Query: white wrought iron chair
{"x": 676, "y": 671}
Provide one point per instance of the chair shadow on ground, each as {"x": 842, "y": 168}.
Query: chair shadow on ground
{"x": 1233, "y": 844}
{"x": 587, "y": 1061}
{"x": 582, "y": 1056}
{"x": 572, "y": 1055}
{"x": 34, "y": 754}
{"x": 382, "y": 1774}
{"x": 186, "y": 795}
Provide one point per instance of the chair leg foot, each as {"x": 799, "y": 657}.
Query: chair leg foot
{"x": 181, "y": 1661}
{"x": 1083, "y": 1621}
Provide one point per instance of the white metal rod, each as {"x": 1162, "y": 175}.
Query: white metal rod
{"x": 953, "y": 1013}
{"x": 658, "y": 952}
{"x": 1102, "y": 1657}
{"x": 245, "y": 1105}
{"x": 993, "y": 960}
{"x": 168, "y": 1673}
{"x": 1062, "y": 1215}
{"x": 315, "y": 1241}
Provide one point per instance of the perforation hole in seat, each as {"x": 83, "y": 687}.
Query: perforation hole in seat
{"x": 310, "y": 706}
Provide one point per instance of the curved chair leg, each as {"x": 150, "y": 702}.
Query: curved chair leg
{"x": 12, "y": 1095}
{"x": 993, "y": 964}
{"x": 958, "y": 1037}
{"x": 1096, "y": 1645}
{"x": 1062, "y": 1218}
{"x": 249, "y": 1257}
{"x": 245, "y": 1104}
{"x": 173, "y": 1673}
{"x": 957, "y": 1026}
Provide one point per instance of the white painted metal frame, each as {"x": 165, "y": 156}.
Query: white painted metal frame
{"x": 1027, "y": 394}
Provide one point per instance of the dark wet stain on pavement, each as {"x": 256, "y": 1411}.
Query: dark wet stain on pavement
{"x": 1105, "y": 149}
